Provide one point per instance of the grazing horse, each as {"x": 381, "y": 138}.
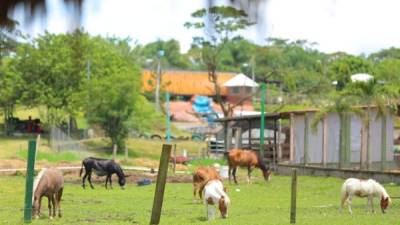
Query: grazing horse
{"x": 101, "y": 167}
{"x": 215, "y": 194}
{"x": 49, "y": 183}
{"x": 364, "y": 188}
{"x": 200, "y": 178}
{"x": 249, "y": 159}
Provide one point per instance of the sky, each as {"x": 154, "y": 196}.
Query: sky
{"x": 352, "y": 26}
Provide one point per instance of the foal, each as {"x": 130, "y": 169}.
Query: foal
{"x": 364, "y": 188}
{"x": 214, "y": 193}
{"x": 49, "y": 183}
{"x": 248, "y": 159}
{"x": 200, "y": 178}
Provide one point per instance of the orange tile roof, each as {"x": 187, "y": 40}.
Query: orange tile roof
{"x": 186, "y": 82}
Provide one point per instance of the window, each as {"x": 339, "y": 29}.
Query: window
{"x": 236, "y": 90}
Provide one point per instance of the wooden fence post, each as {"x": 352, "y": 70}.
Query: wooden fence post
{"x": 160, "y": 185}
{"x": 293, "y": 198}
{"x": 126, "y": 153}
{"x": 30, "y": 169}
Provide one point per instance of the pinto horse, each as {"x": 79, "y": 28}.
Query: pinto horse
{"x": 364, "y": 188}
{"x": 49, "y": 183}
{"x": 248, "y": 159}
{"x": 101, "y": 167}
{"x": 200, "y": 178}
{"x": 215, "y": 194}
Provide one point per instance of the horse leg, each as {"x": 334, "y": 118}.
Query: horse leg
{"x": 58, "y": 201}
{"x": 53, "y": 202}
{"x": 106, "y": 181}
{"x": 249, "y": 174}
{"x": 90, "y": 180}
{"x": 342, "y": 202}
{"x": 229, "y": 173}
{"x": 84, "y": 178}
{"x": 234, "y": 175}
{"x": 371, "y": 199}
{"x": 38, "y": 210}
{"x": 49, "y": 206}
{"x": 349, "y": 204}
{"x": 109, "y": 178}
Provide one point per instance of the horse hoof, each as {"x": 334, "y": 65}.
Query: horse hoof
{"x": 51, "y": 217}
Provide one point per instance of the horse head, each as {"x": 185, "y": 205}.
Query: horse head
{"x": 223, "y": 204}
{"x": 267, "y": 174}
{"x": 384, "y": 203}
{"x": 35, "y": 208}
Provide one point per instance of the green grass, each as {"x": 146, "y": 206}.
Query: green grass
{"x": 54, "y": 157}
{"x": 257, "y": 203}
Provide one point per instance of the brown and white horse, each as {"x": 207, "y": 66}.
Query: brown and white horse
{"x": 215, "y": 194}
{"x": 200, "y": 178}
{"x": 364, "y": 188}
{"x": 248, "y": 159}
{"x": 48, "y": 183}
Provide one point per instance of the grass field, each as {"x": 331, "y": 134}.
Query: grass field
{"x": 257, "y": 203}
{"x": 142, "y": 152}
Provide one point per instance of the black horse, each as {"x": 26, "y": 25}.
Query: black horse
{"x": 101, "y": 167}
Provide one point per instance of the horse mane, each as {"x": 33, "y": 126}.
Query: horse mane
{"x": 381, "y": 189}
{"x": 37, "y": 180}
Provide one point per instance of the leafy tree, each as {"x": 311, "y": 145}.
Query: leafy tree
{"x": 52, "y": 68}
{"x": 219, "y": 23}
{"x": 340, "y": 69}
{"x": 371, "y": 93}
{"x": 111, "y": 102}
{"x": 10, "y": 91}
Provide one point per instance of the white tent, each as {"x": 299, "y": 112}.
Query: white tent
{"x": 240, "y": 80}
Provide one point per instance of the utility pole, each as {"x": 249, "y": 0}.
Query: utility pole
{"x": 160, "y": 54}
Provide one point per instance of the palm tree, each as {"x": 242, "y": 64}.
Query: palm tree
{"x": 343, "y": 106}
{"x": 372, "y": 94}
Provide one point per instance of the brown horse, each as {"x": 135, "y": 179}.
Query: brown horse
{"x": 49, "y": 183}
{"x": 200, "y": 178}
{"x": 248, "y": 159}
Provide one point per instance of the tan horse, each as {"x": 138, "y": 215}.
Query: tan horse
{"x": 200, "y": 178}
{"x": 248, "y": 159}
{"x": 48, "y": 183}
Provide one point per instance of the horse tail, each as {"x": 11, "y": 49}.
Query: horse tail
{"x": 344, "y": 191}
{"x": 80, "y": 172}
{"x": 37, "y": 180}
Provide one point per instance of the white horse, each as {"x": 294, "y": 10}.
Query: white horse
{"x": 215, "y": 194}
{"x": 364, "y": 188}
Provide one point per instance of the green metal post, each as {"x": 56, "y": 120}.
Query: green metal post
{"x": 263, "y": 90}
{"x": 30, "y": 169}
{"x": 168, "y": 118}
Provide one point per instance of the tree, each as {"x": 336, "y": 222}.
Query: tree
{"x": 219, "y": 24}
{"x": 10, "y": 91}
{"x": 112, "y": 102}
{"x": 52, "y": 67}
{"x": 10, "y": 80}
{"x": 342, "y": 67}
{"x": 370, "y": 93}
{"x": 343, "y": 105}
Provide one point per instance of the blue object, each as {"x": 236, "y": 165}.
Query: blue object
{"x": 143, "y": 182}
{"x": 202, "y": 105}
